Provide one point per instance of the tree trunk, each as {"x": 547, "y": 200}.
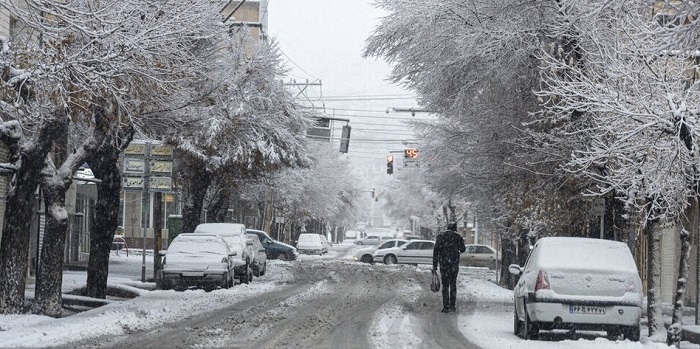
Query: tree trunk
{"x": 690, "y": 224}
{"x": 654, "y": 317}
{"x": 508, "y": 256}
{"x": 220, "y": 202}
{"x": 195, "y": 184}
{"x": 19, "y": 212}
{"x": 14, "y": 248}
{"x": 104, "y": 166}
{"x": 673, "y": 336}
{"x": 49, "y": 278}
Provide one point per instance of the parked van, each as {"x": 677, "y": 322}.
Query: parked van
{"x": 234, "y": 235}
{"x": 310, "y": 244}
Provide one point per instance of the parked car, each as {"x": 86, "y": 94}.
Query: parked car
{"x": 480, "y": 256}
{"x": 309, "y": 243}
{"x": 578, "y": 283}
{"x": 259, "y": 263}
{"x": 412, "y": 252}
{"x": 365, "y": 254}
{"x": 197, "y": 260}
{"x": 370, "y": 240}
{"x": 273, "y": 248}
{"x": 234, "y": 235}
{"x": 326, "y": 244}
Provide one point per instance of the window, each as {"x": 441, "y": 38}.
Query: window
{"x": 413, "y": 246}
{"x": 427, "y": 245}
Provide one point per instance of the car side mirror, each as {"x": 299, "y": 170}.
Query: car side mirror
{"x": 515, "y": 269}
{"x": 234, "y": 253}
{"x": 248, "y": 242}
{"x": 162, "y": 252}
{"x": 261, "y": 250}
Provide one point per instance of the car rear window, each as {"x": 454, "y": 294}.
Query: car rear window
{"x": 197, "y": 245}
{"x": 583, "y": 254}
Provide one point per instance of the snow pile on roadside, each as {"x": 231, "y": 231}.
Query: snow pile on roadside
{"x": 142, "y": 313}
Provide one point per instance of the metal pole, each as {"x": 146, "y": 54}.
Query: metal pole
{"x": 602, "y": 220}
{"x": 146, "y": 206}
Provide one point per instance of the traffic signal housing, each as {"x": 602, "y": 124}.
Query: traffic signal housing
{"x": 390, "y": 164}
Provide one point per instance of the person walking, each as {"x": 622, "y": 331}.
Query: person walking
{"x": 448, "y": 246}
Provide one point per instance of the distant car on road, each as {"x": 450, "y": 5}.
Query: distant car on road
{"x": 203, "y": 260}
{"x": 370, "y": 240}
{"x": 578, "y": 283}
{"x": 480, "y": 256}
{"x": 365, "y": 254}
{"x": 413, "y": 252}
{"x": 309, "y": 243}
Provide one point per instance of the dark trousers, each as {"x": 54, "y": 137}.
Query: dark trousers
{"x": 449, "y": 285}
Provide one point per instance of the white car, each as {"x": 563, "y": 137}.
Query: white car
{"x": 578, "y": 283}
{"x": 234, "y": 234}
{"x": 259, "y": 263}
{"x": 370, "y": 240}
{"x": 197, "y": 260}
{"x": 309, "y": 243}
{"x": 480, "y": 256}
{"x": 412, "y": 252}
{"x": 365, "y": 254}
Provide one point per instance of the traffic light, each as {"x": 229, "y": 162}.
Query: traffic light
{"x": 390, "y": 164}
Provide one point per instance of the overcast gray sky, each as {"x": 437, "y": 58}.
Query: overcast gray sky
{"x": 324, "y": 39}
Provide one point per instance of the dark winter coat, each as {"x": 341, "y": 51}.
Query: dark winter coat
{"x": 448, "y": 246}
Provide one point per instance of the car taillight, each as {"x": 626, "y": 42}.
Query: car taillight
{"x": 542, "y": 281}
{"x": 631, "y": 286}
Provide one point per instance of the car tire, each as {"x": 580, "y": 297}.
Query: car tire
{"x": 359, "y": 243}
{"x": 282, "y": 256}
{"x": 632, "y": 333}
{"x": 247, "y": 275}
{"x": 517, "y": 324}
{"x": 264, "y": 269}
{"x": 366, "y": 259}
{"x": 529, "y": 329}
{"x": 390, "y": 259}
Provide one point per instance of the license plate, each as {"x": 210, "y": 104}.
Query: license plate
{"x": 585, "y": 309}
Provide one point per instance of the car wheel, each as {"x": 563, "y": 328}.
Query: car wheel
{"x": 282, "y": 256}
{"x": 633, "y": 333}
{"x": 264, "y": 269}
{"x": 529, "y": 329}
{"x": 359, "y": 243}
{"x": 247, "y": 275}
{"x": 516, "y": 322}
{"x": 390, "y": 259}
{"x": 366, "y": 259}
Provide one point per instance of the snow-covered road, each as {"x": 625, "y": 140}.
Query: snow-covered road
{"x": 317, "y": 301}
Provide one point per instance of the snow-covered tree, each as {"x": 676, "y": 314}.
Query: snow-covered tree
{"x": 93, "y": 66}
{"x": 247, "y": 122}
{"x": 636, "y": 106}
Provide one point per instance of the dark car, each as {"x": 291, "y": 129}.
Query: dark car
{"x": 273, "y": 248}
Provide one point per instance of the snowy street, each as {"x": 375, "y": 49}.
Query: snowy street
{"x": 316, "y": 301}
